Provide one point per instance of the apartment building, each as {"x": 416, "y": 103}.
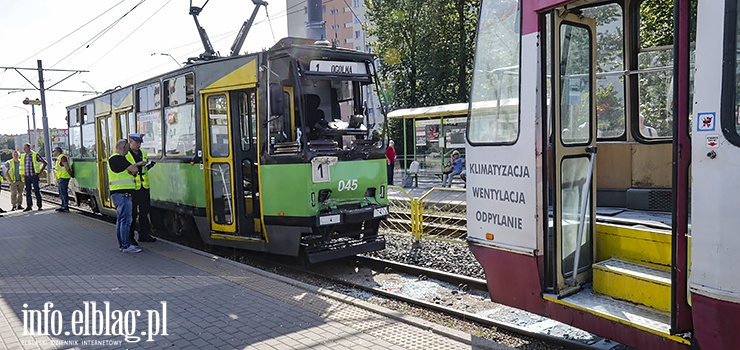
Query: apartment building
{"x": 344, "y": 26}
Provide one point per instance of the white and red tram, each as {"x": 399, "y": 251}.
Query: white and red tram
{"x": 603, "y": 158}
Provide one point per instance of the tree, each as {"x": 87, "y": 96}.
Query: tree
{"x": 426, "y": 51}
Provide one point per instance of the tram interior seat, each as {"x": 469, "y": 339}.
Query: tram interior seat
{"x": 315, "y": 117}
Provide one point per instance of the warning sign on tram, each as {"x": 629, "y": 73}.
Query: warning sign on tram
{"x": 705, "y": 121}
{"x": 712, "y": 141}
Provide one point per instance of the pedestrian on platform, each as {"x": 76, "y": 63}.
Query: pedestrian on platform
{"x": 63, "y": 171}
{"x": 390, "y": 160}
{"x": 141, "y": 199}
{"x": 457, "y": 168}
{"x": 122, "y": 183}
{"x": 13, "y": 175}
{"x": 3, "y": 174}
{"x": 32, "y": 164}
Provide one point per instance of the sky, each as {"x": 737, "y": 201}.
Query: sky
{"x": 118, "y": 43}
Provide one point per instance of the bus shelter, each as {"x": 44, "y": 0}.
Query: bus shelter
{"x": 438, "y": 131}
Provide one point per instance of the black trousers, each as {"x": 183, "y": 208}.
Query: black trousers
{"x": 32, "y": 181}
{"x": 141, "y": 208}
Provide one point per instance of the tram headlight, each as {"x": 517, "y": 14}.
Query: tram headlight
{"x": 370, "y": 192}
{"x": 324, "y": 195}
{"x": 382, "y": 191}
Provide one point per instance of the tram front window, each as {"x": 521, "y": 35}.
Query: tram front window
{"x": 335, "y": 114}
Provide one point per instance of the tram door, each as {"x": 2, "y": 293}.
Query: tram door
{"x": 574, "y": 141}
{"x": 218, "y": 162}
{"x": 244, "y": 119}
{"x": 105, "y": 146}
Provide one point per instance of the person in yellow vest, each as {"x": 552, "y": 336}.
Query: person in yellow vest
{"x": 15, "y": 179}
{"x": 62, "y": 170}
{"x": 32, "y": 164}
{"x": 122, "y": 183}
{"x": 3, "y": 169}
{"x": 141, "y": 199}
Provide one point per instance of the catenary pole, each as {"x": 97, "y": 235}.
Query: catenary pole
{"x": 45, "y": 122}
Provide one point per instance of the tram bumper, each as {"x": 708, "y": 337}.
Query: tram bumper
{"x": 349, "y": 216}
{"x": 346, "y": 232}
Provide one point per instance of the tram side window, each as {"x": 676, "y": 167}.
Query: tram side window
{"x": 75, "y": 134}
{"x": 610, "y": 101}
{"x": 149, "y": 118}
{"x": 75, "y": 141}
{"x": 88, "y": 149}
{"x": 494, "y": 116}
{"x": 180, "y": 116}
{"x": 247, "y": 101}
{"x": 655, "y": 70}
{"x": 218, "y": 125}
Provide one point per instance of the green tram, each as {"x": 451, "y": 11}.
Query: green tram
{"x": 272, "y": 151}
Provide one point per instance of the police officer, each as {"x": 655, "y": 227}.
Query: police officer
{"x": 141, "y": 200}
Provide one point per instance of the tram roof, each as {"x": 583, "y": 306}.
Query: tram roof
{"x": 449, "y": 110}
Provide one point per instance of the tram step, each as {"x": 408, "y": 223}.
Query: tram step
{"x": 632, "y": 282}
{"x": 651, "y": 320}
{"x": 637, "y": 244}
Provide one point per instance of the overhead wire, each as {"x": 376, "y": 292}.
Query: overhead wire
{"x": 72, "y": 32}
{"x": 131, "y": 33}
{"x": 93, "y": 39}
{"x": 100, "y": 34}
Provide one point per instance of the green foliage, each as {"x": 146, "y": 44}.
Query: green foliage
{"x": 426, "y": 52}
{"x": 610, "y": 111}
{"x": 6, "y": 154}
{"x": 656, "y": 23}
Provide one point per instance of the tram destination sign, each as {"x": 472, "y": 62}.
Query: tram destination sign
{"x": 338, "y": 67}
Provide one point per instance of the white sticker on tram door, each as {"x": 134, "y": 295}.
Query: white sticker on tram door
{"x": 713, "y": 141}
{"x": 320, "y": 168}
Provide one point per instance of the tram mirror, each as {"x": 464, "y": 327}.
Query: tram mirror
{"x": 276, "y": 99}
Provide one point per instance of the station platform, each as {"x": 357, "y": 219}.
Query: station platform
{"x": 65, "y": 285}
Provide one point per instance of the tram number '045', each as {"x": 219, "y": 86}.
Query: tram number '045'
{"x": 349, "y": 185}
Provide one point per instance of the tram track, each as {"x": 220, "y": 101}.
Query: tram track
{"x": 331, "y": 276}
{"x": 327, "y": 276}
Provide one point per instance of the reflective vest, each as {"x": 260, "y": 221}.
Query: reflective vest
{"x": 11, "y": 171}
{"x": 143, "y": 178}
{"x": 120, "y": 181}
{"x": 60, "y": 170}
{"x": 36, "y": 164}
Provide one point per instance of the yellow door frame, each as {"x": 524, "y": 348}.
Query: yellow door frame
{"x": 208, "y": 162}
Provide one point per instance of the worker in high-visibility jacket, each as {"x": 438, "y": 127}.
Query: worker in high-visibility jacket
{"x": 141, "y": 199}
{"x": 63, "y": 172}
{"x": 121, "y": 183}
{"x": 32, "y": 164}
{"x": 14, "y": 177}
